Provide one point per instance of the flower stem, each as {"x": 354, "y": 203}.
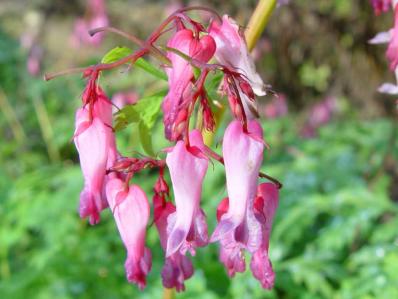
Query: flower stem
{"x": 168, "y": 293}
{"x": 258, "y": 21}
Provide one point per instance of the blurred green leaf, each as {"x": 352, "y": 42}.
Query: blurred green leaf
{"x": 118, "y": 53}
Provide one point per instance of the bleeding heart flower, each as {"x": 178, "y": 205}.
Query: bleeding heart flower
{"x": 92, "y": 139}
{"x": 180, "y": 75}
{"x": 232, "y": 51}
{"x": 187, "y": 226}
{"x": 131, "y": 212}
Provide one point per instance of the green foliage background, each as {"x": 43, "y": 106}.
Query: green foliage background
{"x": 336, "y": 230}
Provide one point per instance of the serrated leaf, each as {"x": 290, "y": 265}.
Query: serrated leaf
{"x": 118, "y": 53}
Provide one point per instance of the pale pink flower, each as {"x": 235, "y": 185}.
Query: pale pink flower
{"x": 180, "y": 76}
{"x": 276, "y": 108}
{"x": 131, "y": 212}
{"x": 232, "y": 51}
{"x": 392, "y": 50}
{"x": 96, "y": 17}
{"x": 238, "y": 228}
{"x": 187, "y": 226}
{"x": 243, "y": 155}
{"x": 92, "y": 140}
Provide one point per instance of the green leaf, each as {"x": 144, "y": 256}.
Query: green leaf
{"x": 116, "y": 54}
{"x": 145, "y": 113}
{"x": 146, "y": 138}
{"x": 151, "y": 69}
{"x": 120, "y": 52}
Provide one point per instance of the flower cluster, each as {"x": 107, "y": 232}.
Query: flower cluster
{"x": 244, "y": 217}
{"x": 390, "y": 37}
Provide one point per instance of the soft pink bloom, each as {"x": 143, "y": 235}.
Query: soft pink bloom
{"x": 276, "y": 108}
{"x": 265, "y": 207}
{"x": 238, "y": 228}
{"x": 320, "y": 115}
{"x": 131, "y": 212}
{"x": 187, "y": 226}
{"x": 392, "y": 50}
{"x": 232, "y": 51}
{"x": 92, "y": 139}
{"x": 97, "y": 17}
{"x": 177, "y": 267}
{"x": 180, "y": 76}
{"x": 243, "y": 155}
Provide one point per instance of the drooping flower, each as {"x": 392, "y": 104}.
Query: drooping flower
{"x": 232, "y": 51}
{"x": 238, "y": 228}
{"x": 187, "y": 228}
{"x": 92, "y": 139}
{"x": 131, "y": 212}
{"x": 177, "y": 267}
{"x": 180, "y": 76}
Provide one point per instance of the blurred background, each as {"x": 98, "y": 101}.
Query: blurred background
{"x": 333, "y": 145}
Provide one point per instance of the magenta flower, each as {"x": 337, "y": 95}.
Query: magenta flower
{"x": 91, "y": 139}
{"x": 187, "y": 226}
{"x": 380, "y": 6}
{"x": 175, "y": 104}
{"x": 177, "y": 267}
{"x": 392, "y": 50}
{"x": 131, "y": 212}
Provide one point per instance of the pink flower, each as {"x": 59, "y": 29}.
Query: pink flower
{"x": 232, "y": 52}
{"x": 276, "y": 108}
{"x": 238, "y": 228}
{"x": 243, "y": 154}
{"x": 265, "y": 207}
{"x": 180, "y": 75}
{"x": 131, "y": 212}
{"x": 392, "y": 50}
{"x": 92, "y": 139}
{"x": 177, "y": 267}
{"x": 97, "y": 17}
{"x": 380, "y": 6}
{"x": 187, "y": 226}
